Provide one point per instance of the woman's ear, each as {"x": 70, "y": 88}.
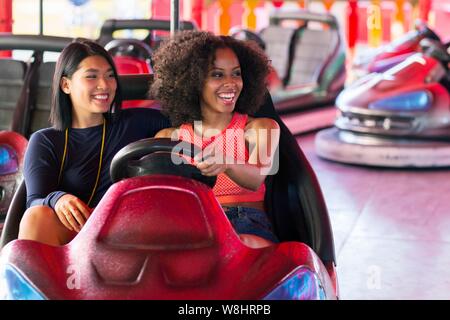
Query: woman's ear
{"x": 65, "y": 85}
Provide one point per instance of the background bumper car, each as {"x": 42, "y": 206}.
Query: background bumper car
{"x": 133, "y": 55}
{"x": 12, "y": 151}
{"x": 398, "y": 118}
{"x": 385, "y": 57}
{"x": 308, "y": 59}
{"x": 156, "y": 30}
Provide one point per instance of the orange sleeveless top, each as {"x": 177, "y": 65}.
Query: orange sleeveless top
{"x": 232, "y": 143}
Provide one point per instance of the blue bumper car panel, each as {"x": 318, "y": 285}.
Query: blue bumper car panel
{"x": 301, "y": 284}
{"x": 9, "y": 162}
{"x": 412, "y": 101}
{"x": 14, "y": 286}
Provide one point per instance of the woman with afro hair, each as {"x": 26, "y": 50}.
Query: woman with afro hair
{"x": 210, "y": 86}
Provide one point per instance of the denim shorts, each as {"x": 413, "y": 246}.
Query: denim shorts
{"x": 251, "y": 221}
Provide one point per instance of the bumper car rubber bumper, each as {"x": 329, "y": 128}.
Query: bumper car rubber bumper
{"x": 352, "y": 148}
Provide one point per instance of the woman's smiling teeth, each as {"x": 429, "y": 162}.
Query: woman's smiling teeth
{"x": 227, "y": 97}
{"x": 102, "y": 97}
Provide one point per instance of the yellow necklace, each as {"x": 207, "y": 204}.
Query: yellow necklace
{"x": 99, "y": 164}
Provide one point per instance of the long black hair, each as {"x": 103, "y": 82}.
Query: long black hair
{"x": 67, "y": 64}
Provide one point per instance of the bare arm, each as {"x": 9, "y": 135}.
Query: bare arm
{"x": 166, "y": 133}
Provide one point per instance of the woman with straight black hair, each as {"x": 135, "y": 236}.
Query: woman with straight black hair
{"x": 66, "y": 166}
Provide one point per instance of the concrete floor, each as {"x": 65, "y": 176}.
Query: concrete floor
{"x": 391, "y": 228}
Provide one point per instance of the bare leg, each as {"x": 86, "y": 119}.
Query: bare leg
{"x": 254, "y": 241}
{"x": 40, "y": 223}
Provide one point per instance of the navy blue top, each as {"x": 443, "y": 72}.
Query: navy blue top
{"x": 46, "y": 147}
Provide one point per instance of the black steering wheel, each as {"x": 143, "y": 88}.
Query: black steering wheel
{"x": 247, "y": 35}
{"x": 435, "y": 49}
{"x": 157, "y": 156}
{"x": 428, "y": 33}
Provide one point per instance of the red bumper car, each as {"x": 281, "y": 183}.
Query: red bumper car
{"x": 159, "y": 233}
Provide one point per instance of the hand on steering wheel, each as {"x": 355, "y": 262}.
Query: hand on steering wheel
{"x": 155, "y": 156}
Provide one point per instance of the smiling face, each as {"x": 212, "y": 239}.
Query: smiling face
{"x": 223, "y": 83}
{"x": 92, "y": 89}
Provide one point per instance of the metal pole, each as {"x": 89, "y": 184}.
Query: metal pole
{"x": 41, "y": 17}
{"x": 174, "y": 17}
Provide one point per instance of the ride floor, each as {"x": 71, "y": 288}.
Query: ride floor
{"x": 391, "y": 228}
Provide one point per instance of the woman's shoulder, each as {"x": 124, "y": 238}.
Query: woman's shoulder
{"x": 44, "y": 142}
{"x": 261, "y": 123}
{"x": 167, "y": 133}
{"x": 46, "y": 134}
